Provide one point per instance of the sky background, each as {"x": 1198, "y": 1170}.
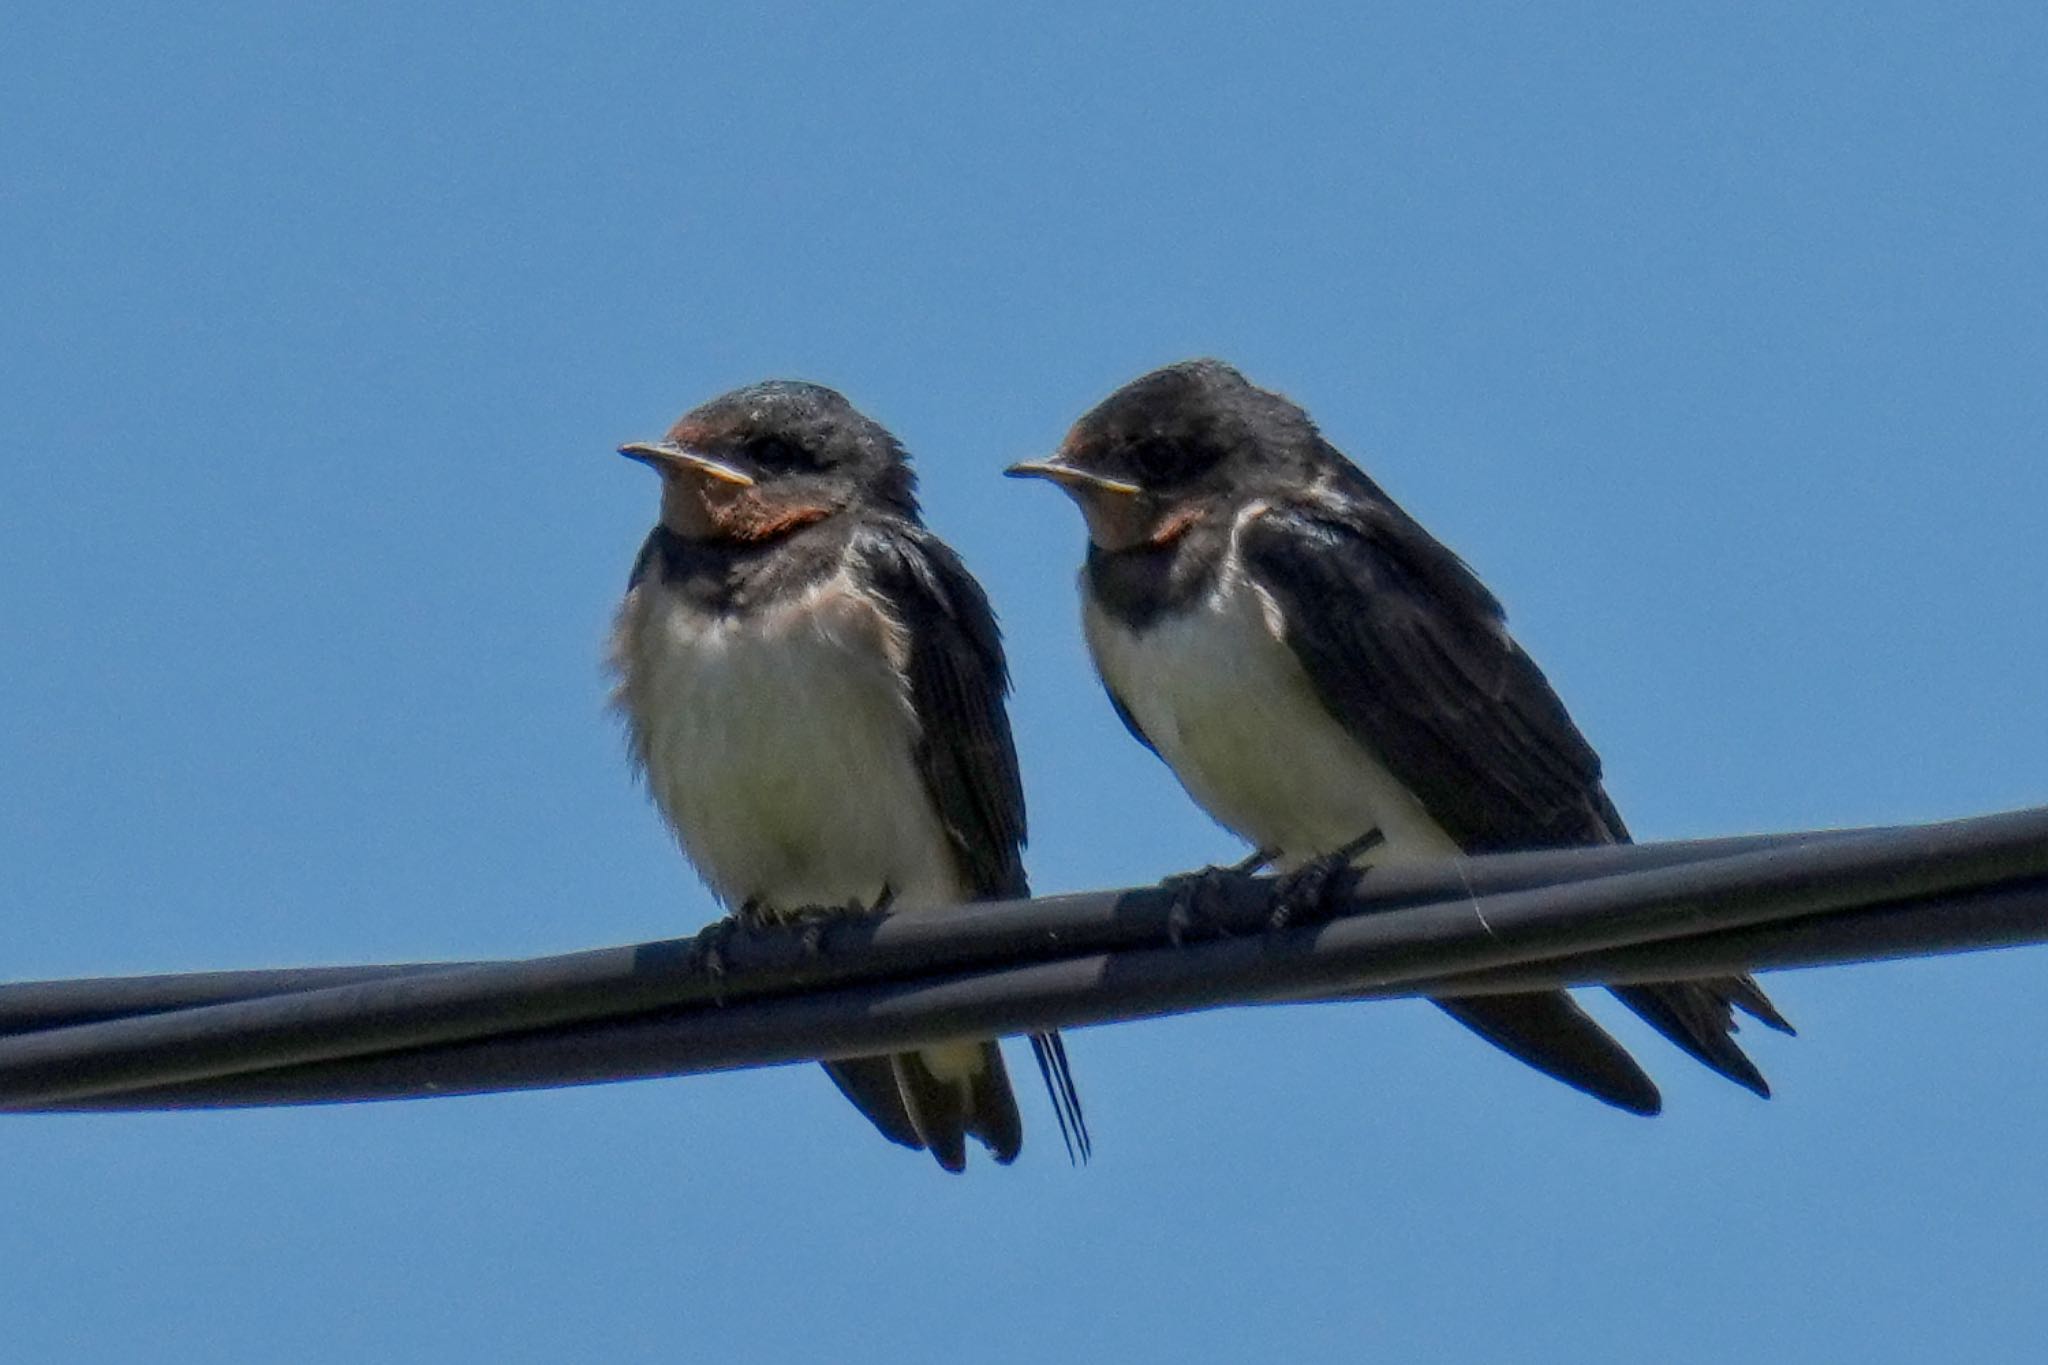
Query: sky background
{"x": 1714, "y": 337}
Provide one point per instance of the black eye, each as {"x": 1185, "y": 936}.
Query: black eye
{"x": 1155, "y": 461}
{"x": 775, "y": 455}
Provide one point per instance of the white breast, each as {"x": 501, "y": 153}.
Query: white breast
{"x": 1219, "y": 693}
{"x": 780, "y": 747}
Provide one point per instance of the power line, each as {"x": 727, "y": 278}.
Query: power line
{"x": 754, "y": 997}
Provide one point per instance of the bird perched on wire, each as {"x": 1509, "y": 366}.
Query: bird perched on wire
{"x": 814, "y": 687}
{"x": 1322, "y": 675}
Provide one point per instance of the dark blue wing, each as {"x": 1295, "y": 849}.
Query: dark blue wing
{"x": 1411, "y": 654}
{"x": 958, "y": 681}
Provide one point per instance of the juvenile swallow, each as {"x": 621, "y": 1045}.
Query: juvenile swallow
{"x": 1314, "y": 666}
{"x": 813, "y": 688}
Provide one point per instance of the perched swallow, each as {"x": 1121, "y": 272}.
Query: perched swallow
{"x": 1315, "y": 666}
{"x": 813, "y": 689}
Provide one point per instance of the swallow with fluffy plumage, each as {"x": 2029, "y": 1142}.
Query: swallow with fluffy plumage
{"x": 1315, "y": 667}
{"x": 813, "y": 688}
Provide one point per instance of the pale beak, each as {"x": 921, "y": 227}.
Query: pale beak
{"x": 664, "y": 455}
{"x": 1071, "y": 478}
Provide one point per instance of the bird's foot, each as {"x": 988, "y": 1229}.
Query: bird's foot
{"x": 711, "y": 944}
{"x": 1313, "y": 892}
{"x": 1190, "y": 915}
{"x": 811, "y": 921}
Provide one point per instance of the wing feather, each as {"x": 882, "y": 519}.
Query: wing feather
{"x": 969, "y": 762}
{"x": 1412, "y": 656}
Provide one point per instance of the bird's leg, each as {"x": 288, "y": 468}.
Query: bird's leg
{"x": 1188, "y": 915}
{"x": 1309, "y": 894}
{"x": 1252, "y": 863}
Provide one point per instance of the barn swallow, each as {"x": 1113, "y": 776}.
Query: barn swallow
{"x": 1315, "y": 667}
{"x": 813, "y": 689}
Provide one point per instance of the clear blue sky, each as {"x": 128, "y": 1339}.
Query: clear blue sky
{"x": 1715, "y": 337}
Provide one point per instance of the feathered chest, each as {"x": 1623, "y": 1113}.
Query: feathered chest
{"x": 1220, "y": 694}
{"x": 780, "y": 743}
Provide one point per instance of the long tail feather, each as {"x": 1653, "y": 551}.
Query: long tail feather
{"x": 1050, "y": 1050}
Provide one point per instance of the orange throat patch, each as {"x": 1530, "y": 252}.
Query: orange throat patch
{"x": 1173, "y": 525}
{"x": 699, "y": 509}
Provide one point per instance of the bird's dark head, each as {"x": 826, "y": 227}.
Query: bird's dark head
{"x": 1176, "y": 445}
{"x": 767, "y": 459}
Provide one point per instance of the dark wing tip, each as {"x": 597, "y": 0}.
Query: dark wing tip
{"x": 870, "y": 1083}
{"x": 1695, "y": 1015}
{"x": 991, "y": 1113}
{"x": 937, "y": 1108}
{"x": 1747, "y": 996}
{"x": 1647, "y": 1103}
{"x": 951, "y": 1153}
{"x": 1547, "y": 1030}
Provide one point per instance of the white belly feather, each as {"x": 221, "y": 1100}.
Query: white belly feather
{"x": 780, "y": 747}
{"x": 1220, "y": 695}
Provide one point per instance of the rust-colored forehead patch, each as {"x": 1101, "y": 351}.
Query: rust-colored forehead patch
{"x": 691, "y": 431}
{"x": 1082, "y": 441}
